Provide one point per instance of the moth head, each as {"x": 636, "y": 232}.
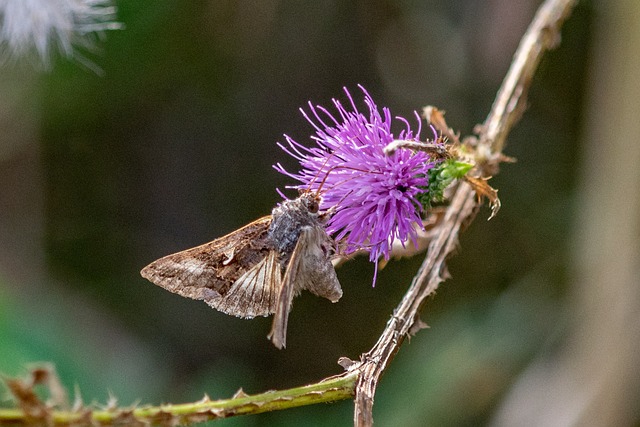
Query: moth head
{"x": 311, "y": 200}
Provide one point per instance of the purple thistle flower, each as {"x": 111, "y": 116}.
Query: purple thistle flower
{"x": 372, "y": 194}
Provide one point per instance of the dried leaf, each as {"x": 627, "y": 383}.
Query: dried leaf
{"x": 435, "y": 117}
{"x": 483, "y": 189}
{"x": 27, "y": 399}
{"x": 57, "y": 393}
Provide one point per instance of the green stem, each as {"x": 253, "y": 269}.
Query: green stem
{"x": 332, "y": 389}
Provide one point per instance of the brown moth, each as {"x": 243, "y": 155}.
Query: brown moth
{"x": 258, "y": 269}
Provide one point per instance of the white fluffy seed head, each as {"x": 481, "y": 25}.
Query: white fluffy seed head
{"x": 42, "y": 26}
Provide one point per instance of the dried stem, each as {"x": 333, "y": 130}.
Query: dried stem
{"x": 361, "y": 377}
{"x": 542, "y": 35}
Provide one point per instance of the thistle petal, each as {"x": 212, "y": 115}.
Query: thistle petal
{"x": 374, "y": 196}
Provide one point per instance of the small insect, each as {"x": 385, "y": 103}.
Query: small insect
{"x": 258, "y": 269}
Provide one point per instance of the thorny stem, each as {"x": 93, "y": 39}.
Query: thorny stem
{"x": 33, "y": 412}
{"x": 361, "y": 378}
{"x": 405, "y": 319}
{"x": 543, "y": 34}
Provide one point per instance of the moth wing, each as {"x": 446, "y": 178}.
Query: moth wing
{"x": 309, "y": 268}
{"x": 255, "y": 293}
{"x": 319, "y": 276}
{"x": 278, "y": 333}
{"x": 209, "y": 271}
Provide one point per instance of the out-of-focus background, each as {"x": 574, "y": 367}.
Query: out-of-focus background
{"x": 173, "y": 145}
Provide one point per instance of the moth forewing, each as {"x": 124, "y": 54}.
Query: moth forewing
{"x": 209, "y": 271}
{"x": 255, "y": 293}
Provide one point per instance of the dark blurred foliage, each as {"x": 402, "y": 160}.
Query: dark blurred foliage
{"x": 173, "y": 146}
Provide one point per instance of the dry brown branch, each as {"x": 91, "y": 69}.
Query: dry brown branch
{"x": 543, "y": 34}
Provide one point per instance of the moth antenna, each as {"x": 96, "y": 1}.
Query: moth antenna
{"x": 346, "y": 180}
{"x": 325, "y": 175}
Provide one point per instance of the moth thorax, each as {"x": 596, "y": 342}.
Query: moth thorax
{"x": 287, "y": 221}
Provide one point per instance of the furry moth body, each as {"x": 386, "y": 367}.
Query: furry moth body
{"x": 258, "y": 269}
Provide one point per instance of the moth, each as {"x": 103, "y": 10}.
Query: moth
{"x": 259, "y": 268}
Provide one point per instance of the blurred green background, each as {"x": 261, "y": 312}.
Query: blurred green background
{"x": 174, "y": 144}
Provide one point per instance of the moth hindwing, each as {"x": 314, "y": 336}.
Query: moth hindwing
{"x": 258, "y": 269}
